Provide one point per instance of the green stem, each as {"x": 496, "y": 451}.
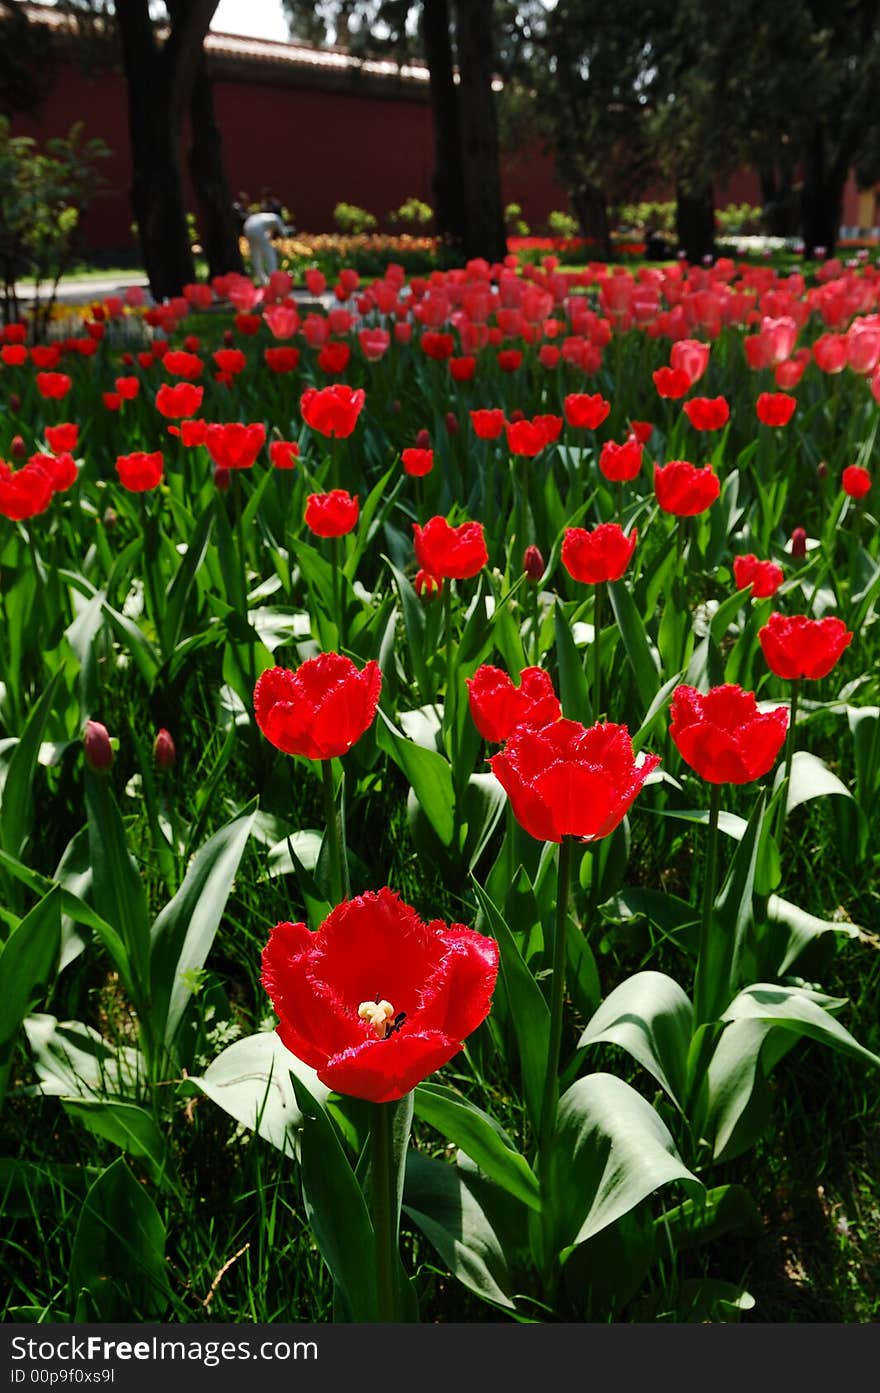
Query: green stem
{"x": 447, "y": 624}
{"x": 701, "y": 984}
{"x": 536, "y": 623}
{"x": 597, "y": 653}
{"x": 789, "y": 757}
{"x": 337, "y": 879}
{"x": 150, "y": 549}
{"x": 557, "y": 998}
{"x": 337, "y": 607}
{"x": 238, "y": 486}
{"x": 384, "y": 1226}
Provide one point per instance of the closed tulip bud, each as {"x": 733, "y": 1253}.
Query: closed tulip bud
{"x": 451, "y": 423}
{"x": 96, "y": 740}
{"x": 14, "y": 402}
{"x": 228, "y": 338}
{"x": 517, "y": 415}
{"x": 533, "y": 564}
{"x": 110, "y": 518}
{"x": 17, "y": 447}
{"x": 423, "y": 439}
{"x": 799, "y": 543}
{"x": 222, "y": 477}
{"x": 164, "y": 752}
{"x": 396, "y": 408}
{"x": 821, "y": 470}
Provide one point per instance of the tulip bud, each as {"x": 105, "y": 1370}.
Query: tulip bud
{"x": 533, "y": 564}
{"x": 127, "y": 360}
{"x": 17, "y": 447}
{"x": 427, "y": 585}
{"x": 228, "y": 338}
{"x": 821, "y": 470}
{"x": 451, "y": 423}
{"x": 96, "y": 740}
{"x": 14, "y": 402}
{"x": 396, "y": 407}
{"x": 423, "y": 440}
{"x": 164, "y": 752}
{"x": 110, "y": 518}
{"x": 799, "y": 543}
{"x": 221, "y": 478}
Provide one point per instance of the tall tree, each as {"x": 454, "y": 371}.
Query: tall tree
{"x": 478, "y": 129}
{"x": 218, "y": 224}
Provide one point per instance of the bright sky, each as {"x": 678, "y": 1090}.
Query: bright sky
{"x": 259, "y": 19}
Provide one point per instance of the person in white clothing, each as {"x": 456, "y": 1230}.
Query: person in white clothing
{"x": 259, "y": 228}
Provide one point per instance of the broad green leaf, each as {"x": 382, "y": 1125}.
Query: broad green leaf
{"x": 118, "y": 1257}
{"x": 73, "y": 1060}
{"x": 731, "y": 917}
{"x": 182, "y": 935}
{"x": 27, "y": 964}
{"x": 428, "y": 773}
{"x": 810, "y": 778}
{"x": 725, "y": 1209}
{"x": 438, "y": 1200}
{"x": 250, "y": 1080}
{"x": 480, "y": 1137}
{"x": 179, "y": 590}
{"x": 574, "y": 693}
{"x": 116, "y": 885}
{"x": 609, "y": 1152}
{"x": 143, "y": 653}
{"x": 635, "y": 641}
{"x": 18, "y": 803}
{"x": 336, "y": 1208}
{"x": 414, "y": 624}
{"x": 651, "y": 1018}
{"x": 528, "y": 1009}
{"x": 126, "y": 1125}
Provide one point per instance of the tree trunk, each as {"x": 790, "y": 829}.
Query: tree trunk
{"x": 821, "y": 200}
{"x": 695, "y": 222}
{"x": 484, "y": 213}
{"x": 780, "y": 211}
{"x": 218, "y": 225}
{"x": 447, "y": 181}
{"x": 159, "y": 85}
{"x": 591, "y": 211}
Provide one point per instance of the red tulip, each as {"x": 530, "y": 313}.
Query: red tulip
{"x": 551, "y": 426}
{"x": 62, "y": 437}
{"x": 498, "y": 707}
{"x": 533, "y": 564}
{"x": 319, "y": 710}
{"x": 182, "y": 364}
{"x": 509, "y": 359}
{"x": 140, "y": 472}
{"x": 284, "y": 453}
{"x": 164, "y": 752}
{"x": 685, "y": 490}
{"x": 377, "y": 999}
{"x": 723, "y": 736}
{"x": 128, "y": 387}
{"x": 620, "y": 463}
{"x": 333, "y": 358}
{"x": 229, "y": 360}
{"x": 671, "y": 383}
{"x": 453, "y": 553}
{"x": 332, "y": 514}
{"x": 707, "y": 413}
{"x": 437, "y": 346}
{"x": 183, "y": 399}
{"x": 691, "y": 357}
{"x": 829, "y": 351}
{"x": 765, "y": 577}
{"x": 600, "y": 555}
{"x": 13, "y": 355}
{"x": 61, "y": 469}
{"x": 641, "y": 431}
{"x": 282, "y": 359}
{"x": 332, "y": 410}
{"x": 417, "y": 462}
{"x": 24, "y": 493}
{"x": 798, "y": 543}
{"x": 856, "y": 481}
{"x": 795, "y": 646}
{"x": 586, "y": 411}
{"x": 53, "y": 385}
{"x": 775, "y": 408}
{"x": 233, "y": 445}
{"x": 112, "y": 401}
{"x": 462, "y": 369}
{"x": 525, "y": 438}
{"x": 567, "y": 780}
{"x": 96, "y": 741}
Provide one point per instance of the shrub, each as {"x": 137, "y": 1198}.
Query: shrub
{"x": 351, "y": 219}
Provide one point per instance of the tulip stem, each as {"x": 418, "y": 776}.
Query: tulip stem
{"x": 384, "y": 1226}
{"x": 536, "y": 623}
{"x": 557, "y": 998}
{"x": 447, "y": 623}
{"x": 597, "y": 650}
{"x": 789, "y": 758}
{"x": 701, "y": 984}
{"x": 333, "y": 841}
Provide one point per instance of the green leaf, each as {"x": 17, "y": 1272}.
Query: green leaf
{"x": 179, "y": 590}
{"x": 27, "y": 962}
{"x": 72, "y": 1060}
{"x": 17, "y": 807}
{"x": 118, "y": 1256}
{"x": 480, "y": 1137}
{"x": 574, "y": 693}
{"x": 116, "y": 885}
{"x": 635, "y": 641}
{"x": 184, "y": 931}
{"x": 336, "y": 1208}
{"x": 126, "y": 1125}
{"x": 250, "y": 1080}
{"x": 651, "y": 1018}
{"x": 528, "y": 1009}
{"x": 610, "y": 1151}
{"x": 731, "y": 918}
{"x": 414, "y": 625}
{"x": 143, "y": 653}
{"x": 428, "y": 773}
{"x": 725, "y": 1209}
{"x": 439, "y": 1201}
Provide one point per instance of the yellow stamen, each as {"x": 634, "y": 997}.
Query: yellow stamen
{"x": 379, "y": 1014}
